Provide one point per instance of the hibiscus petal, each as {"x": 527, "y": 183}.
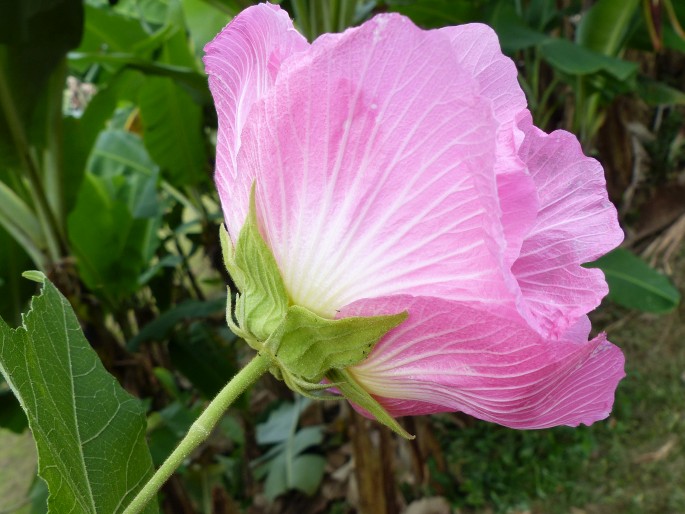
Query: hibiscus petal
{"x": 519, "y": 205}
{"x": 449, "y": 356}
{"x": 374, "y": 160}
{"x": 242, "y": 63}
{"x": 576, "y": 223}
{"x": 478, "y": 51}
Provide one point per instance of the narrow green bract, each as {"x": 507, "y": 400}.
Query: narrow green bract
{"x": 263, "y": 300}
{"x": 89, "y": 432}
{"x": 355, "y": 393}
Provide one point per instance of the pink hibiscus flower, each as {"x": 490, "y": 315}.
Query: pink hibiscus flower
{"x": 398, "y": 169}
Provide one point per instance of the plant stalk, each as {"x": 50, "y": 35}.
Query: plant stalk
{"x": 200, "y": 430}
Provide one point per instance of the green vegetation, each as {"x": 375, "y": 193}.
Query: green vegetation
{"x": 107, "y": 135}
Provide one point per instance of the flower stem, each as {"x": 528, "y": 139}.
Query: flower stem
{"x": 200, "y": 430}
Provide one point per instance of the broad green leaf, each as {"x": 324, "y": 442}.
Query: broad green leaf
{"x": 113, "y": 226}
{"x": 658, "y": 93}
{"x": 108, "y": 31}
{"x": 539, "y": 13}
{"x": 204, "y": 22}
{"x": 80, "y": 134}
{"x": 344, "y": 381}
{"x": 167, "y": 427}
{"x": 672, "y": 39}
{"x": 160, "y": 328}
{"x": 89, "y": 432}
{"x": 514, "y": 34}
{"x": 303, "y": 472}
{"x": 193, "y": 81}
{"x": 172, "y": 119}
{"x": 263, "y": 299}
{"x": 436, "y": 13}
{"x": 279, "y": 424}
{"x": 308, "y": 345}
{"x": 604, "y": 27}
{"x": 203, "y": 357}
{"x": 633, "y": 284}
{"x": 306, "y": 472}
{"x": 105, "y": 240}
{"x": 38, "y": 495}
{"x": 149, "y": 11}
{"x": 127, "y": 171}
{"x": 173, "y": 131}
{"x": 575, "y": 59}
{"x": 176, "y": 49}
{"x": 285, "y": 465}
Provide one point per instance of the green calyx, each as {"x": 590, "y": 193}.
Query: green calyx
{"x": 304, "y": 348}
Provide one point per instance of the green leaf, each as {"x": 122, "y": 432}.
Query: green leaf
{"x": 204, "y": 22}
{"x": 203, "y": 357}
{"x": 81, "y": 134}
{"x": 150, "y": 11}
{"x": 604, "y": 27}
{"x": 128, "y": 173}
{"x": 575, "y": 59}
{"x": 303, "y": 472}
{"x": 672, "y": 39}
{"x": 344, "y": 381}
{"x": 657, "y": 93}
{"x": 539, "y": 13}
{"x": 308, "y": 345}
{"x": 113, "y": 226}
{"x": 436, "y": 13}
{"x": 160, "y": 328}
{"x": 278, "y": 425}
{"x": 38, "y": 495}
{"x": 263, "y": 300}
{"x": 194, "y": 82}
{"x": 306, "y": 473}
{"x": 171, "y": 118}
{"x": 169, "y": 425}
{"x": 173, "y": 130}
{"x": 107, "y": 31}
{"x": 89, "y": 432}
{"x": 514, "y": 34}
{"x": 286, "y": 465}
{"x": 633, "y": 284}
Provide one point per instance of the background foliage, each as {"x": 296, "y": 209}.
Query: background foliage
{"x": 107, "y": 141}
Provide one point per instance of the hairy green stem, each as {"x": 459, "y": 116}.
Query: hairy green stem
{"x": 200, "y": 430}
